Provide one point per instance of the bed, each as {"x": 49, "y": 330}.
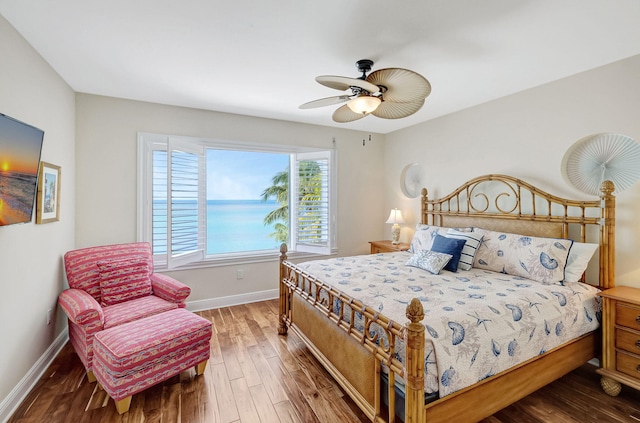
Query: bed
{"x": 385, "y": 359}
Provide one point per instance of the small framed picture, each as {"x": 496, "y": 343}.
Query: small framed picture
{"x": 48, "y": 201}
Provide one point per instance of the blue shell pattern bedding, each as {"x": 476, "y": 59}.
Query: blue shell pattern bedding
{"x": 478, "y": 322}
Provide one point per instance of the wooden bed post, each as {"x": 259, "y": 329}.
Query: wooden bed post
{"x": 284, "y": 301}
{"x": 424, "y": 207}
{"x": 414, "y": 364}
{"x": 607, "y": 235}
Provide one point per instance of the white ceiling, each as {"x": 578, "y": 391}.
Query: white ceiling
{"x": 260, "y": 57}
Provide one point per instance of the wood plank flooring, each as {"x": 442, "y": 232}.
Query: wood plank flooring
{"x": 254, "y": 375}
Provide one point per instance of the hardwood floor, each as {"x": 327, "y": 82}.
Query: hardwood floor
{"x": 254, "y": 375}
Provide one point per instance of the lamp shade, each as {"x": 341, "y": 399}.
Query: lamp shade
{"x": 364, "y": 104}
{"x": 395, "y": 216}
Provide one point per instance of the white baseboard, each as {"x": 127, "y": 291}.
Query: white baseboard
{"x": 9, "y": 405}
{"x": 232, "y": 300}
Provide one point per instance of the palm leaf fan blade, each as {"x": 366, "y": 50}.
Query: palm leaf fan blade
{"x": 401, "y": 85}
{"x": 390, "y": 110}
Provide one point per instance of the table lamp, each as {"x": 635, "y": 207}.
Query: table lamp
{"x": 395, "y": 217}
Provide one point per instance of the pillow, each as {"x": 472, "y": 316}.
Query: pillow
{"x": 424, "y": 235}
{"x": 452, "y": 246}
{"x": 535, "y": 258}
{"x": 578, "y": 260}
{"x": 471, "y": 245}
{"x": 430, "y": 261}
{"x": 123, "y": 280}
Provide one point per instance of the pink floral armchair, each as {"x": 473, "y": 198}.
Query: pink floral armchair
{"x": 111, "y": 285}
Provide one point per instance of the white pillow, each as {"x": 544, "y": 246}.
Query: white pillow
{"x": 470, "y": 247}
{"x": 578, "y": 260}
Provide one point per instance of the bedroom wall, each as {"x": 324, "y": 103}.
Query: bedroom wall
{"x": 526, "y": 135}
{"x": 106, "y": 180}
{"x": 30, "y": 255}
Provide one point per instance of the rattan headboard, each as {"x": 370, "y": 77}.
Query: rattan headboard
{"x": 504, "y": 203}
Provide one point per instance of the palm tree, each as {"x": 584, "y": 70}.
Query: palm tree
{"x": 280, "y": 191}
{"x": 309, "y": 191}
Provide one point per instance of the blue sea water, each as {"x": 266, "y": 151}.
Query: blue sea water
{"x": 238, "y": 225}
{"x": 232, "y": 226}
{"x": 17, "y": 192}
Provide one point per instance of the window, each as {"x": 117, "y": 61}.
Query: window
{"x": 204, "y": 201}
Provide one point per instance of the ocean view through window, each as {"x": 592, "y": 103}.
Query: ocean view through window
{"x": 213, "y": 201}
{"x": 235, "y": 212}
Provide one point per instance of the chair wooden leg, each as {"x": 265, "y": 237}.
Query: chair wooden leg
{"x": 123, "y": 405}
{"x": 91, "y": 377}
{"x": 200, "y": 367}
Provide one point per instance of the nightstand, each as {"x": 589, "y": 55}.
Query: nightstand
{"x": 620, "y": 339}
{"x": 387, "y": 247}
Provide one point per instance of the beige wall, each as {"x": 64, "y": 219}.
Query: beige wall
{"x": 106, "y": 178}
{"x": 31, "y": 275}
{"x": 526, "y": 135}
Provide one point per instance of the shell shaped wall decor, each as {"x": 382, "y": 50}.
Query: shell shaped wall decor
{"x": 602, "y": 157}
{"x": 411, "y": 180}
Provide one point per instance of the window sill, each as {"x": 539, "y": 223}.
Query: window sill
{"x": 221, "y": 260}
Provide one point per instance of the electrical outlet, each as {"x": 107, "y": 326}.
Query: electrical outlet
{"x": 239, "y": 274}
{"x": 49, "y": 316}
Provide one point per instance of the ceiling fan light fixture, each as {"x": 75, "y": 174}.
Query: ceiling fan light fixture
{"x": 364, "y": 104}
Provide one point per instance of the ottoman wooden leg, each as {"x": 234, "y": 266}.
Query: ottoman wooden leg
{"x": 123, "y": 405}
{"x": 200, "y": 367}
{"x": 91, "y": 377}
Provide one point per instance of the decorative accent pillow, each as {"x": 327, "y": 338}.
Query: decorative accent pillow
{"x": 578, "y": 260}
{"x": 539, "y": 259}
{"x": 471, "y": 245}
{"x": 425, "y": 234}
{"x": 452, "y": 246}
{"x": 430, "y": 261}
{"x": 123, "y": 280}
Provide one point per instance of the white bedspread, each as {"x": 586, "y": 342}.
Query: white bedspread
{"x": 478, "y": 323}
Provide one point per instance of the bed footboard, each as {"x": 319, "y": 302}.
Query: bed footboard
{"x": 358, "y": 353}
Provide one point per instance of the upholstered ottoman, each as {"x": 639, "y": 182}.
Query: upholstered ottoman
{"x": 134, "y": 356}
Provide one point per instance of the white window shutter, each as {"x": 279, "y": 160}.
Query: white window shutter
{"x": 159, "y": 205}
{"x": 311, "y": 203}
{"x": 186, "y": 205}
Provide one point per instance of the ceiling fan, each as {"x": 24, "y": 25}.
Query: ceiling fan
{"x": 390, "y": 93}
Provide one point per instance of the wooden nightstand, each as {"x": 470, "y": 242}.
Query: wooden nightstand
{"x": 387, "y": 247}
{"x": 620, "y": 339}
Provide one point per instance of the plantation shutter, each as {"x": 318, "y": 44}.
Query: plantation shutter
{"x": 186, "y": 202}
{"x": 311, "y": 220}
{"x": 159, "y": 205}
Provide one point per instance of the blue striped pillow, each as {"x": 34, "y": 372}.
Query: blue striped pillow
{"x": 473, "y": 240}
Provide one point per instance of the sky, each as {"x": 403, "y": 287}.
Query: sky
{"x": 241, "y": 175}
{"x": 20, "y": 146}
